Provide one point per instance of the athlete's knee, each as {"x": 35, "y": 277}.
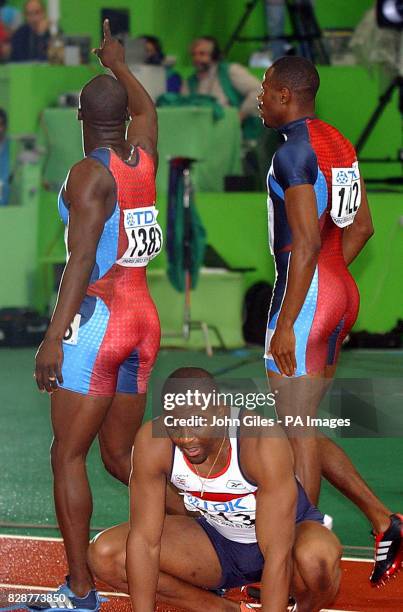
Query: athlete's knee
{"x": 64, "y": 452}
{"x": 105, "y": 560}
{"x": 319, "y": 569}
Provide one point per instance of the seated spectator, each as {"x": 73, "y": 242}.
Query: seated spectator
{"x": 155, "y": 56}
{"x": 10, "y": 16}
{"x": 29, "y": 42}
{"x": 4, "y": 160}
{"x": 231, "y": 84}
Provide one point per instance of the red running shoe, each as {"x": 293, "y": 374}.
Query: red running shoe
{"x": 388, "y": 552}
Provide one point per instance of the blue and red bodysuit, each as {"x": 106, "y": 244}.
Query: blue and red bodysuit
{"x": 112, "y": 343}
{"x": 315, "y": 153}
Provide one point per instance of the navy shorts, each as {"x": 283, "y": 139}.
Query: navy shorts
{"x": 243, "y": 563}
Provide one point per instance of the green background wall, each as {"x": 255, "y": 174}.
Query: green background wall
{"x": 347, "y": 97}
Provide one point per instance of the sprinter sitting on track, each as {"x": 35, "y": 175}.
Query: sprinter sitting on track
{"x": 256, "y": 522}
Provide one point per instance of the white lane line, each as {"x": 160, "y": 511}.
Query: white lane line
{"x": 48, "y": 539}
{"x": 357, "y": 560}
{"x": 8, "y": 536}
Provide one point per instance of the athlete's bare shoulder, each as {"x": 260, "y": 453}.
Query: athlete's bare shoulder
{"x": 154, "y": 446}
{"x": 89, "y": 180}
{"x": 89, "y": 171}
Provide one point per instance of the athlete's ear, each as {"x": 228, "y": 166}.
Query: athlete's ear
{"x": 285, "y": 95}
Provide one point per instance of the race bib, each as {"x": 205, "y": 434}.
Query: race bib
{"x": 71, "y": 335}
{"x": 144, "y": 236}
{"x": 346, "y": 194}
{"x": 239, "y": 513}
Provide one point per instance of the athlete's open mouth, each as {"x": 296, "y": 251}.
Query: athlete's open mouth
{"x": 192, "y": 451}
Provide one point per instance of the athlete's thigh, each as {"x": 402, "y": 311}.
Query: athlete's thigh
{"x": 77, "y": 418}
{"x": 187, "y": 552}
{"x": 297, "y": 396}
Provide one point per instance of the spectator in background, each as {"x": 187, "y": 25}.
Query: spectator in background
{"x": 156, "y": 57}
{"x": 275, "y": 17}
{"x": 4, "y": 160}
{"x": 231, "y": 84}
{"x": 10, "y": 16}
{"x": 29, "y": 42}
{"x": 276, "y": 12}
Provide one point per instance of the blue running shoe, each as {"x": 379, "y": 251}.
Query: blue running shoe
{"x": 64, "y": 599}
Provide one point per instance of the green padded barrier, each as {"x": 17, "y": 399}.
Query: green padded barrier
{"x": 217, "y": 301}
{"x": 236, "y": 227}
{"x": 347, "y": 97}
{"x": 189, "y": 132}
{"x": 18, "y": 240}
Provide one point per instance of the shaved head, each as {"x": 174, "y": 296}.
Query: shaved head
{"x": 190, "y": 378}
{"x": 299, "y": 75}
{"x": 104, "y": 100}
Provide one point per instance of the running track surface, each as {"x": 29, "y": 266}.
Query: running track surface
{"x": 32, "y": 564}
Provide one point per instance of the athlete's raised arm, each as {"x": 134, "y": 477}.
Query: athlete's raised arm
{"x": 87, "y": 190}
{"x": 143, "y": 128}
{"x": 300, "y": 204}
{"x": 267, "y": 461}
{"x": 356, "y": 235}
{"x": 148, "y": 483}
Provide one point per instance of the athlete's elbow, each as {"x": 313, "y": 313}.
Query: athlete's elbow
{"x": 83, "y": 258}
{"x": 366, "y": 230}
{"x": 309, "y": 249}
{"x": 369, "y": 231}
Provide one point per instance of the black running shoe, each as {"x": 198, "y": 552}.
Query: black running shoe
{"x": 388, "y": 552}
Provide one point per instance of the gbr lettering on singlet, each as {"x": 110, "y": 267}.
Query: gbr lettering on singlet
{"x": 346, "y": 194}
{"x": 144, "y": 236}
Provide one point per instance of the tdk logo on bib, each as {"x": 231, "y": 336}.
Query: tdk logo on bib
{"x": 140, "y": 217}
{"x": 230, "y": 506}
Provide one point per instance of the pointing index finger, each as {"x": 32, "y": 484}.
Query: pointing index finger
{"x": 107, "y": 30}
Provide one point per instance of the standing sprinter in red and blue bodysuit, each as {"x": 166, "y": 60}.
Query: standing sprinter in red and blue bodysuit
{"x": 319, "y": 221}
{"x": 104, "y": 336}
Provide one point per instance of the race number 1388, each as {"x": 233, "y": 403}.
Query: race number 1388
{"x": 346, "y": 194}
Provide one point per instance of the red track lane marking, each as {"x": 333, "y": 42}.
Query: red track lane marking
{"x": 26, "y": 561}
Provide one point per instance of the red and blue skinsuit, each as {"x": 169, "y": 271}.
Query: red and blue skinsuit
{"x": 113, "y": 341}
{"x": 315, "y": 153}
